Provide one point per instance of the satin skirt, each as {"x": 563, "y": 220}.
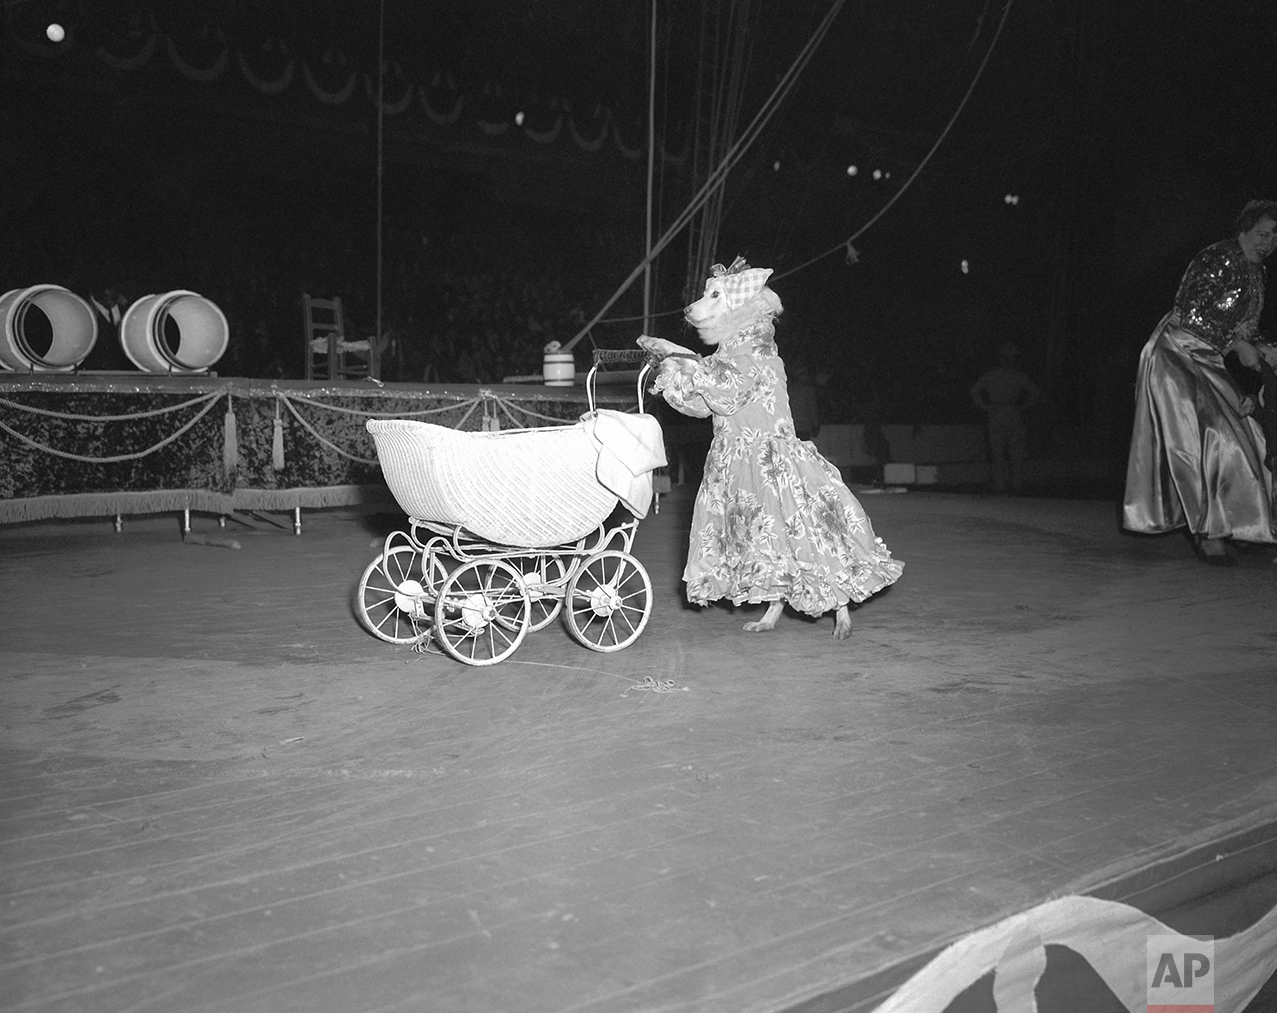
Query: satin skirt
{"x": 1195, "y": 461}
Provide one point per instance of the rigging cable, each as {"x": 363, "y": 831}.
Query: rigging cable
{"x": 719, "y": 175}
{"x": 939, "y": 140}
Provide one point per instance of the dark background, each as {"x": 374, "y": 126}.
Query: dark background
{"x": 1130, "y": 133}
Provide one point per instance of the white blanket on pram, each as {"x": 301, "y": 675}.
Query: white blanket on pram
{"x": 630, "y": 447}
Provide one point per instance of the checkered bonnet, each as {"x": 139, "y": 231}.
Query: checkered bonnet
{"x": 740, "y": 281}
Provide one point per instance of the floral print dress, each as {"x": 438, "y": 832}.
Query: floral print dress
{"x": 773, "y": 519}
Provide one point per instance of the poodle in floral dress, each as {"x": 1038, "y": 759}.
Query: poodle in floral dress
{"x": 773, "y": 520}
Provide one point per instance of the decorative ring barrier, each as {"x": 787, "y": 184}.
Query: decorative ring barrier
{"x": 72, "y": 329}
{"x": 1115, "y": 939}
{"x": 72, "y": 449}
{"x": 174, "y": 332}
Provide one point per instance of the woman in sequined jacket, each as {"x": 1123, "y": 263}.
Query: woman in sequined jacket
{"x": 1196, "y": 461}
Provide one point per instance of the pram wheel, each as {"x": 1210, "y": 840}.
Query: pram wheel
{"x": 543, "y": 576}
{"x": 609, "y": 601}
{"x": 483, "y": 612}
{"x": 395, "y": 593}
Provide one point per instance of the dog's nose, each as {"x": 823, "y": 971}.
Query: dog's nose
{"x": 687, "y": 309}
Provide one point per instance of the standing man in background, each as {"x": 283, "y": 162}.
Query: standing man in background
{"x": 1003, "y": 393}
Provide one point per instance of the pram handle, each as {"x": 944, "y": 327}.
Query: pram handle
{"x": 602, "y": 355}
{"x": 619, "y": 355}
{"x": 636, "y": 355}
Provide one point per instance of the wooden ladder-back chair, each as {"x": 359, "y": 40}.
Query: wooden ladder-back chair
{"x": 329, "y": 354}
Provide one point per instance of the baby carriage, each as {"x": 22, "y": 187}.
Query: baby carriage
{"x": 508, "y": 530}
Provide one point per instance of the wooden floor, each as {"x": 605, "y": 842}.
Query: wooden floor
{"x": 218, "y": 793}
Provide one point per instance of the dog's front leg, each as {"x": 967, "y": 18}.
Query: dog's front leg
{"x": 768, "y": 622}
{"x": 659, "y": 346}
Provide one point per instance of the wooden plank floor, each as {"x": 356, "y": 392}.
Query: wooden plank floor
{"x": 217, "y": 793}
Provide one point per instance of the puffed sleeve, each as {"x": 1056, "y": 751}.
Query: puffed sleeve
{"x": 716, "y": 385}
{"x": 1214, "y": 294}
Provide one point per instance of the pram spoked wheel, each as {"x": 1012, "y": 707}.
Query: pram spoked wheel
{"x": 543, "y": 576}
{"x": 395, "y": 593}
{"x": 483, "y": 612}
{"x": 609, "y": 601}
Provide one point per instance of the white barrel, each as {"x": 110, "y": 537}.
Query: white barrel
{"x": 72, "y": 329}
{"x": 559, "y": 369}
{"x": 174, "y": 332}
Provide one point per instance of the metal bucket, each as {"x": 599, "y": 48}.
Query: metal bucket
{"x": 174, "y": 332}
{"x": 559, "y": 369}
{"x": 72, "y": 329}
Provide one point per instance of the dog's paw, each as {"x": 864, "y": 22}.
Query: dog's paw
{"x": 677, "y": 364}
{"x": 842, "y": 624}
{"x": 768, "y": 622}
{"x": 659, "y": 346}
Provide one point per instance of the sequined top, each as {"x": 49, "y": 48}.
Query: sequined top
{"x": 1221, "y": 294}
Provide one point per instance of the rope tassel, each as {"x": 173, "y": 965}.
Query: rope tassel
{"x": 277, "y": 444}
{"x": 491, "y": 420}
{"x": 230, "y": 444}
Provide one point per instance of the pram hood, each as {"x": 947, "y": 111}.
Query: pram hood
{"x": 532, "y": 488}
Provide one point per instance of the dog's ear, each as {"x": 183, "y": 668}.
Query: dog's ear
{"x": 765, "y": 302}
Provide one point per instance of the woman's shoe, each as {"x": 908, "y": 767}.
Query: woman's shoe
{"x": 1213, "y": 551}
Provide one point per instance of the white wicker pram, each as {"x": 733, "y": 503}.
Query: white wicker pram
{"x": 504, "y": 529}
{"x": 524, "y": 487}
